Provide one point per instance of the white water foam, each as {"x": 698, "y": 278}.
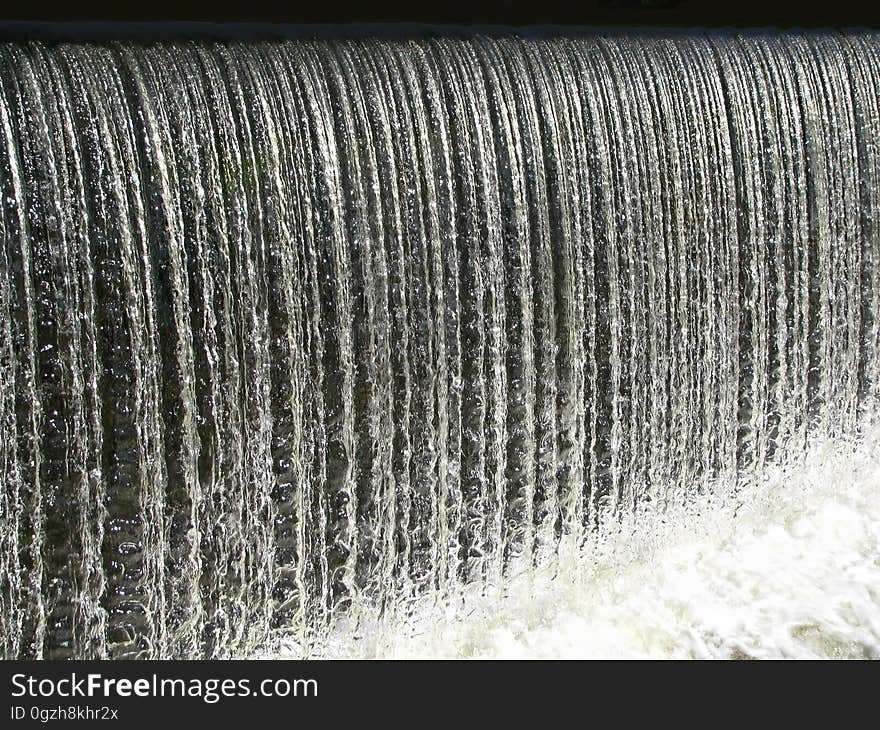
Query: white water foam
{"x": 790, "y": 569}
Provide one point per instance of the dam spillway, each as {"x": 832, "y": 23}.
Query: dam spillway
{"x": 292, "y": 331}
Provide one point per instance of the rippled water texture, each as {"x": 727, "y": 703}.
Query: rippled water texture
{"x": 299, "y": 338}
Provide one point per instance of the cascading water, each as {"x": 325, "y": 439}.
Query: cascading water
{"x": 295, "y": 331}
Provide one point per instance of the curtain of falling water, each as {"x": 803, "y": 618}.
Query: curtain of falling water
{"x": 292, "y": 329}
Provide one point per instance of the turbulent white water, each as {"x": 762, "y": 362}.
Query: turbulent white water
{"x": 306, "y": 337}
{"x": 788, "y": 569}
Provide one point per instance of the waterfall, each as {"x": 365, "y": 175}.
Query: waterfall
{"x": 293, "y": 331}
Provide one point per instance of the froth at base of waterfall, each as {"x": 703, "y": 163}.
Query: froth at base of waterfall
{"x": 297, "y": 336}
{"x": 789, "y": 568}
